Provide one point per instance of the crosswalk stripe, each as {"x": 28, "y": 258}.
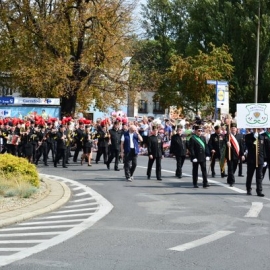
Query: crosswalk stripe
{"x": 35, "y": 228}
{"x": 52, "y": 222}
{"x": 80, "y": 205}
{"x": 75, "y": 210}
{"x": 22, "y": 241}
{"x": 29, "y": 234}
{"x": 81, "y": 194}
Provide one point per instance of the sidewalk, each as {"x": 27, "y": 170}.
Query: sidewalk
{"x": 58, "y": 194}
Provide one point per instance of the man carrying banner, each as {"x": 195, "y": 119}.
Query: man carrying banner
{"x": 199, "y": 154}
{"x": 255, "y": 161}
{"x": 234, "y": 152}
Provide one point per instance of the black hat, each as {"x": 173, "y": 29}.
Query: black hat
{"x": 233, "y": 125}
{"x": 10, "y": 124}
{"x": 32, "y": 122}
{"x": 197, "y": 128}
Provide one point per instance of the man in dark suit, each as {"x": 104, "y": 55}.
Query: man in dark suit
{"x": 78, "y": 140}
{"x": 155, "y": 153}
{"x": 255, "y": 161}
{"x": 266, "y": 138}
{"x": 115, "y": 140}
{"x": 216, "y": 144}
{"x": 61, "y": 139}
{"x": 199, "y": 154}
{"x": 234, "y": 152}
{"x": 178, "y": 149}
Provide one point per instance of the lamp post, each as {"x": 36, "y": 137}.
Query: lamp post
{"x": 257, "y": 53}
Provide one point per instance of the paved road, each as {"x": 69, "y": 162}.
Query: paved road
{"x": 163, "y": 225}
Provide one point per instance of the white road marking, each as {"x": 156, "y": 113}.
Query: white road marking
{"x": 77, "y": 188}
{"x": 81, "y": 194}
{"x": 35, "y": 228}
{"x": 51, "y": 222}
{"x": 80, "y": 205}
{"x": 29, "y": 234}
{"x": 72, "y": 215}
{"x": 255, "y": 210}
{"x": 75, "y": 210}
{"x": 103, "y": 210}
{"x": 202, "y": 241}
{"x": 22, "y": 241}
{"x": 210, "y": 181}
{"x": 11, "y": 249}
{"x": 83, "y": 200}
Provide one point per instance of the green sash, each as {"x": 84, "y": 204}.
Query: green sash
{"x": 198, "y": 139}
{"x": 268, "y": 134}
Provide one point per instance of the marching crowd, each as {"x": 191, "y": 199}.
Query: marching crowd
{"x": 116, "y": 138}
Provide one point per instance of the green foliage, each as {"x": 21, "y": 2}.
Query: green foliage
{"x": 20, "y": 168}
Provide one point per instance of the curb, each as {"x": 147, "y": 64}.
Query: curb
{"x": 59, "y": 194}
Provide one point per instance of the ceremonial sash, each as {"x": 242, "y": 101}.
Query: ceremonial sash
{"x": 198, "y": 139}
{"x": 235, "y": 144}
{"x": 268, "y": 134}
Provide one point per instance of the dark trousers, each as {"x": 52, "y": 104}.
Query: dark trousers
{"x": 51, "y": 146}
{"x": 251, "y": 168}
{"x": 240, "y": 167}
{"x": 179, "y": 164}
{"x": 213, "y": 163}
{"x": 232, "y": 165}
{"x": 114, "y": 153}
{"x": 130, "y": 163}
{"x": 102, "y": 151}
{"x": 76, "y": 153}
{"x": 42, "y": 150}
{"x": 60, "y": 153}
{"x": 265, "y": 168}
{"x": 195, "y": 168}
{"x": 158, "y": 166}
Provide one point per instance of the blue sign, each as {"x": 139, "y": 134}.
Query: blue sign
{"x": 6, "y": 100}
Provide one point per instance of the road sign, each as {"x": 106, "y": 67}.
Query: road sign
{"x": 6, "y": 100}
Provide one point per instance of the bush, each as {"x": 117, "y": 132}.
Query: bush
{"x": 12, "y": 167}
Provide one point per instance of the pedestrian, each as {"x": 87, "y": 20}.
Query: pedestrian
{"x": 87, "y": 143}
{"x": 155, "y": 153}
{"x": 115, "y": 144}
{"x": 78, "y": 140}
{"x": 255, "y": 161}
{"x": 178, "y": 149}
{"x": 199, "y": 154}
{"x": 130, "y": 150}
{"x": 266, "y": 138}
{"x": 61, "y": 150}
{"x": 216, "y": 145}
{"x": 234, "y": 152}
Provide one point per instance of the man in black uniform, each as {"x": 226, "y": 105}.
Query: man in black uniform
{"x": 178, "y": 149}
{"x": 216, "y": 144}
{"x": 234, "y": 152}
{"x": 115, "y": 139}
{"x": 78, "y": 140}
{"x": 199, "y": 154}
{"x": 42, "y": 146}
{"x": 155, "y": 153}
{"x": 255, "y": 161}
{"x": 61, "y": 139}
{"x": 266, "y": 138}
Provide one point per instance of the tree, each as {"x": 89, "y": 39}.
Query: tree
{"x": 71, "y": 49}
{"x": 184, "y": 84}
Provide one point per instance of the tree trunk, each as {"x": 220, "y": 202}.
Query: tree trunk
{"x": 68, "y": 105}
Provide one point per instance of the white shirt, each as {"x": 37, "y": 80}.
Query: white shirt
{"x": 130, "y": 139}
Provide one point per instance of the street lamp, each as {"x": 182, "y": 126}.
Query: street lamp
{"x": 257, "y": 54}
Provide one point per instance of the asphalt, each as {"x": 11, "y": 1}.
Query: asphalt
{"x": 58, "y": 193}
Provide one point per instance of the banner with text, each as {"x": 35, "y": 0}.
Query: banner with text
{"x": 254, "y": 115}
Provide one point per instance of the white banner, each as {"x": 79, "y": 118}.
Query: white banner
{"x": 254, "y": 115}
{"x": 5, "y": 113}
{"x": 36, "y": 101}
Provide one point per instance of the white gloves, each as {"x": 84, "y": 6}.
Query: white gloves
{"x": 256, "y": 135}
{"x": 264, "y": 164}
{"x": 195, "y": 160}
{"x": 207, "y": 158}
{"x": 228, "y": 144}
